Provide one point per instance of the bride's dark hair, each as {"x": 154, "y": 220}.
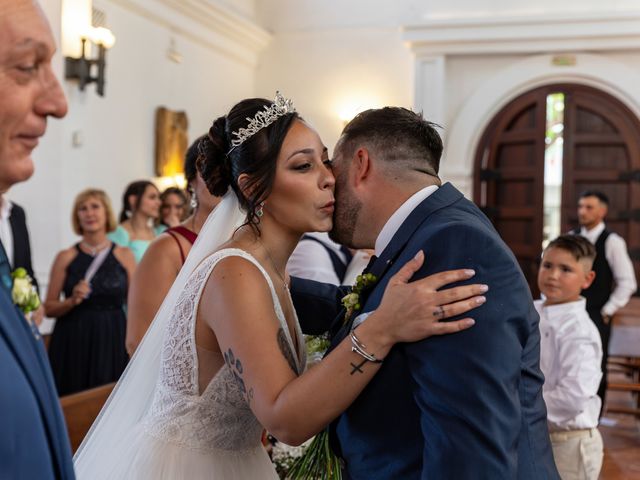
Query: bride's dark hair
{"x": 220, "y": 166}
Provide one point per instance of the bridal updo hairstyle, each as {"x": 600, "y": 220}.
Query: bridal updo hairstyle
{"x": 220, "y": 166}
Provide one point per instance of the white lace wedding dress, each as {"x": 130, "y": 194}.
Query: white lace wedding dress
{"x": 191, "y": 435}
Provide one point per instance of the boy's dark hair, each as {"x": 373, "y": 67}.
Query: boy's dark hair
{"x": 596, "y": 193}
{"x": 578, "y": 246}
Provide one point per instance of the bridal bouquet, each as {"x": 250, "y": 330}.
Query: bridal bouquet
{"x": 284, "y": 456}
{"x": 316, "y": 345}
{"x": 24, "y": 293}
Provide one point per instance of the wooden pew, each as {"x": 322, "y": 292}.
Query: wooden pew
{"x": 81, "y": 409}
{"x": 624, "y": 355}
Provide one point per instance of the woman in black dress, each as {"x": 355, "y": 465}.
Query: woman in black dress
{"x": 87, "y": 346}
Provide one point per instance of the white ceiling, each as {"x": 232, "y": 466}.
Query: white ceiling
{"x": 296, "y": 15}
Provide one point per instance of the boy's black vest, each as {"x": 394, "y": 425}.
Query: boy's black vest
{"x": 600, "y": 290}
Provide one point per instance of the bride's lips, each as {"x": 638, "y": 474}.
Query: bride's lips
{"x": 329, "y": 207}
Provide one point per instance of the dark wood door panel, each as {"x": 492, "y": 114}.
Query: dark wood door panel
{"x": 601, "y": 151}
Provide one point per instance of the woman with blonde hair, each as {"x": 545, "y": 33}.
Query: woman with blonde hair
{"x": 87, "y": 345}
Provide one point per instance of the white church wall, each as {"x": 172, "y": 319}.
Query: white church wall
{"x": 336, "y": 73}
{"x": 117, "y": 132}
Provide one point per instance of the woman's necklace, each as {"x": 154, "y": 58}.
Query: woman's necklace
{"x": 273, "y": 264}
{"x": 94, "y": 250}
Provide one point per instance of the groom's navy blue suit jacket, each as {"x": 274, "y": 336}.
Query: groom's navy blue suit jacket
{"x": 462, "y": 406}
{"x": 33, "y": 437}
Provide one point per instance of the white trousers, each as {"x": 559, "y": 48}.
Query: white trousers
{"x": 578, "y": 453}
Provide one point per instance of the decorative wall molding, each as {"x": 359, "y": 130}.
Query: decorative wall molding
{"x": 207, "y": 23}
{"x": 430, "y": 87}
{"x": 534, "y": 34}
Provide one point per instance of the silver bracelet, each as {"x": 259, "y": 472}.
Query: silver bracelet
{"x": 360, "y": 348}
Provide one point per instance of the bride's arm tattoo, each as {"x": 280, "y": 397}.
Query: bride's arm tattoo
{"x": 285, "y": 349}
{"x": 235, "y": 365}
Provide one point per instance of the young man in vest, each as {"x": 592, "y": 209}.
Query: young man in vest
{"x": 615, "y": 280}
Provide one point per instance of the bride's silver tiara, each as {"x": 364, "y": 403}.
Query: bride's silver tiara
{"x": 280, "y": 107}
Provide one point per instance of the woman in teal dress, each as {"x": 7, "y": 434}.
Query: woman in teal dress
{"x": 140, "y": 208}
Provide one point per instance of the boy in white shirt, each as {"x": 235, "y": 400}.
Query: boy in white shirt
{"x": 570, "y": 357}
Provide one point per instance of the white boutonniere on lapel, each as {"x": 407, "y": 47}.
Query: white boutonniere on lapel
{"x": 352, "y": 301}
{"x": 23, "y": 292}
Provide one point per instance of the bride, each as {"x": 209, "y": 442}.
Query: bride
{"x": 225, "y": 356}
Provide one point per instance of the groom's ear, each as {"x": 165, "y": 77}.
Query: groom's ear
{"x": 361, "y": 164}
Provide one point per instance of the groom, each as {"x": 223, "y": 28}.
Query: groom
{"x": 33, "y": 438}
{"x": 461, "y": 406}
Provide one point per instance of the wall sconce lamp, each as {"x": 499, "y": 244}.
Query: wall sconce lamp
{"x": 81, "y": 68}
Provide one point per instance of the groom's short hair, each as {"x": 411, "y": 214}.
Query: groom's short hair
{"x": 398, "y": 136}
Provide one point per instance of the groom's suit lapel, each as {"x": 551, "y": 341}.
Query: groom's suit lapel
{"x": 30, "y": 356}
{"x": 441, "y": 198}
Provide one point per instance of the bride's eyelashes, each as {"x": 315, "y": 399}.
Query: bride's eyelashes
{"x": 307, "y": 165}
{"x": 302, "y": 167}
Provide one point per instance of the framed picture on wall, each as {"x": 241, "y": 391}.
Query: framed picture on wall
{"x": 171, "y": 141}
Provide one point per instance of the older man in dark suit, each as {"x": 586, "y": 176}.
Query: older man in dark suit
{"x": 33, "y": 438}
{"x": 462, "y": 406}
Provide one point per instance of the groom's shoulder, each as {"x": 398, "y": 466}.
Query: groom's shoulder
{"x": 458, "y": 220}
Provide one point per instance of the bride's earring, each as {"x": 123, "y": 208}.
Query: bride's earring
{"x": 260, "y": 210}
{"x": 194, "y": 201}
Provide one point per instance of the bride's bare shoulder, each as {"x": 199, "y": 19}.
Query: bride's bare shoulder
{"x": 236, "y": 269}
{"x": 235, "y": 289}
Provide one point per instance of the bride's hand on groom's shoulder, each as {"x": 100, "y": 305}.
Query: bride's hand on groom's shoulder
{"x": 414, "y": 311}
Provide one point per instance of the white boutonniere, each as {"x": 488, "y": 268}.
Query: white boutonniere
{"x": 23, "y": 292}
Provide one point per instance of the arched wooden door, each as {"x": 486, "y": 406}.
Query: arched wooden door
{"x": 601, "y": 151}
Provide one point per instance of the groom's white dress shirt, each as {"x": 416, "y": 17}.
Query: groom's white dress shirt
{"x": 399, "y": 216}
{"x": 393, "y": 224}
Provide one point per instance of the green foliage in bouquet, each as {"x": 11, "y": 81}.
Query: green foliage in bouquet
{"x": 317, "y": 343}
{"x": 318, "y": 462}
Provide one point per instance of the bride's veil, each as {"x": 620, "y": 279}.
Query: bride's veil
{"x": 132, "y": 395}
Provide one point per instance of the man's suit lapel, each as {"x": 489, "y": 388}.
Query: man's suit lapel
{"x": 18, "y": 241}
{"x": 29, "y": 354}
